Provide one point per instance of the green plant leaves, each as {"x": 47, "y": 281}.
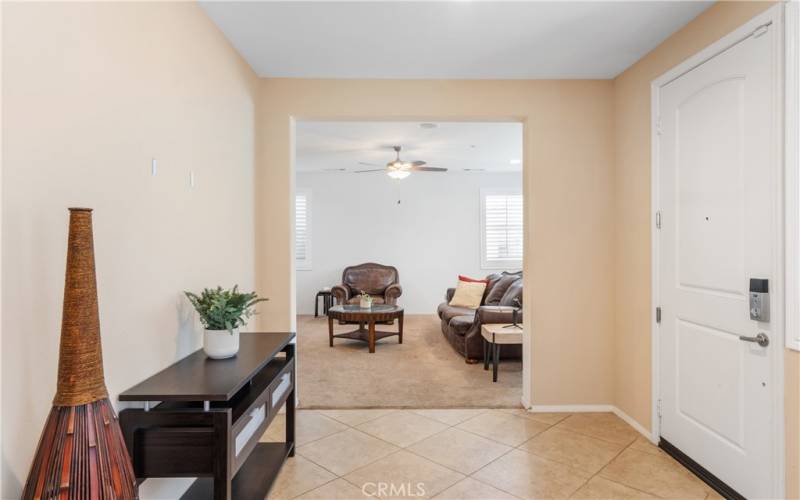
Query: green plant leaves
{"x": 221, "y": 309}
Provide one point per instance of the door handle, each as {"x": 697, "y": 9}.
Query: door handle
{"x": 760, "y": 339}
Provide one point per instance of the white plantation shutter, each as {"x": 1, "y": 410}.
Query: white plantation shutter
{"x": 501, "y": 214}
{"x": 302, "y": 230}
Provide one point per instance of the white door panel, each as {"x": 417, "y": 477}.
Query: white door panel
{"x": 712, "y": 399}
{"x": 716, "y": 179}
{"x": 709, "y": 187}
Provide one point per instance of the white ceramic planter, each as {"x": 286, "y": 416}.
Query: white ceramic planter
{"x": 365, "y": 304}
{"x": 220, "y": 344}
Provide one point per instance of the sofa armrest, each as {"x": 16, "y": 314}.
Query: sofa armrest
{"x": 392, "y": 292}
{"x": 448, "y": 296}
{"x": 496, "y": 314}
{"x": 341, "y": 293}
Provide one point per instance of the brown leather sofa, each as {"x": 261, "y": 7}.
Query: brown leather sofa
{"x": 461, "y": 326}
{"x": 381, "y": 282}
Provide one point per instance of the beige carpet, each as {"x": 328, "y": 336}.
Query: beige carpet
{"x": 423, "y": 372}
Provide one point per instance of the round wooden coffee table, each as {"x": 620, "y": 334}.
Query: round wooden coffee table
{"x": 378, "y": 313}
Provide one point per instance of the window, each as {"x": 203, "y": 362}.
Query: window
{"x": 302, "y": 230}
{"x": 501, "y": 229}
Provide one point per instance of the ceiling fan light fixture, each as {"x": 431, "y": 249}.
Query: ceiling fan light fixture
{"x": 398, "y": 174}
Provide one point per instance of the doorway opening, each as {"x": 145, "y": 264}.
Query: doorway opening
{"x": 413, "y": 230}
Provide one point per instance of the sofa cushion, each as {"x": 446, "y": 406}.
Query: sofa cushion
{"x": 492, "y": 280}
{"x": 499, "y": 288}
{"x": 513, "y": 292}
{"x": 468, "y": 294}
{"x": 461, "y": 277}
{"x": 461, "y": 324}
{"x": 448, "y": 312}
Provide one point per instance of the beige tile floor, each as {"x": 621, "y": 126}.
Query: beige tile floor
{"x": 475, "y": 454}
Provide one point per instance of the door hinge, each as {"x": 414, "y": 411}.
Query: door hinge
{"x": 658, "y": 314}
{"x": 658, "y": 408}
{"x": 658, "y": 219}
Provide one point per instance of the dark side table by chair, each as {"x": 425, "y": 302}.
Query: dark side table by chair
{"x": 327, "y": 302}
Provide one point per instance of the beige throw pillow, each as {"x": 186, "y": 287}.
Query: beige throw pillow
{"x": 468, "y": 294}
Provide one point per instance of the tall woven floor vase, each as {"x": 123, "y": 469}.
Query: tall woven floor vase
{"x": 81, "y": 453}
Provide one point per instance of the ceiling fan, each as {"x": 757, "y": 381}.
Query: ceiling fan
{"x": 398, "y": 169}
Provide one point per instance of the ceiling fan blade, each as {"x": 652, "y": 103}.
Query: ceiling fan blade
{"x": 418, "y": 163}
{"x": 373, "y": 170}
{"x": 367, "y": 164}
{"x": 428, "y": 169}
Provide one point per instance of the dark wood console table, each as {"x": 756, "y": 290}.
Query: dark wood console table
{"x": 203, "y": 418}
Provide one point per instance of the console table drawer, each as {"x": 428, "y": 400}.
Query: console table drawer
{"x": 179, "y": 451}
{"x": 281, "y": 387}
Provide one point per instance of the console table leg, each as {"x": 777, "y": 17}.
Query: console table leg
{"x": 291, "y": 400}
{"x": 222, "y": 460}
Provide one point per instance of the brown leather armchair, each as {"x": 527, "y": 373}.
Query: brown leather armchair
{"x": 381, "y": 282}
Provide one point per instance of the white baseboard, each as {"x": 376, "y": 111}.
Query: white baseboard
{"x": 593, "y": 409}
{"x": 636, "y": 425}
{"x": 570, "y": 408}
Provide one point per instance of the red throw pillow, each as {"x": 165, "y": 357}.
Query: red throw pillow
{"x": 471, "y": 280}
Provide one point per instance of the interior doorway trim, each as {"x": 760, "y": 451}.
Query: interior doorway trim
{"x": 526, "y": 396}
{"x": 773, "y": 19}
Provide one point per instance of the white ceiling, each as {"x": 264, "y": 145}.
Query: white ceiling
{"x": 333, "y": 146}
{"x": 447, "y": 39}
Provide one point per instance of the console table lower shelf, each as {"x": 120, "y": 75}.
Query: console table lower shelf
{"x": 254, "y": 479}
{"x": 209, "y": 418}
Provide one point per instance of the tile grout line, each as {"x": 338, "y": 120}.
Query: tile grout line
{"x": 350, "y": 427}
{"x": 491, "y": 485}
{"x": 550, "y": 426}
{"x": 595, "y": 437}
{"x": 597, "y": 474}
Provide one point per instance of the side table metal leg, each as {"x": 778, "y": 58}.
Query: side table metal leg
{"x": 485, "y": 355}
{"x": 496, "y": 362}
{"x": 316, "y": 306}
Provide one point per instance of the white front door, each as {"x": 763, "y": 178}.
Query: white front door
{"x": 717, "y": 176}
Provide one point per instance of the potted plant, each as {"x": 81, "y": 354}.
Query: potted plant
{"x": 366, "y": 300}
{"x": 222, "y": 312}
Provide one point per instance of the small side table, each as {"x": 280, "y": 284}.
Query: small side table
{"x": 497, "y": 335}
{"x": 327, "y": 302}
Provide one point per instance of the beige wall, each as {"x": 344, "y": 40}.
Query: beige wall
{"x": 632, "y": 378}
{"x": 568, "y": 192}
{"x": 91, "y": 93}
